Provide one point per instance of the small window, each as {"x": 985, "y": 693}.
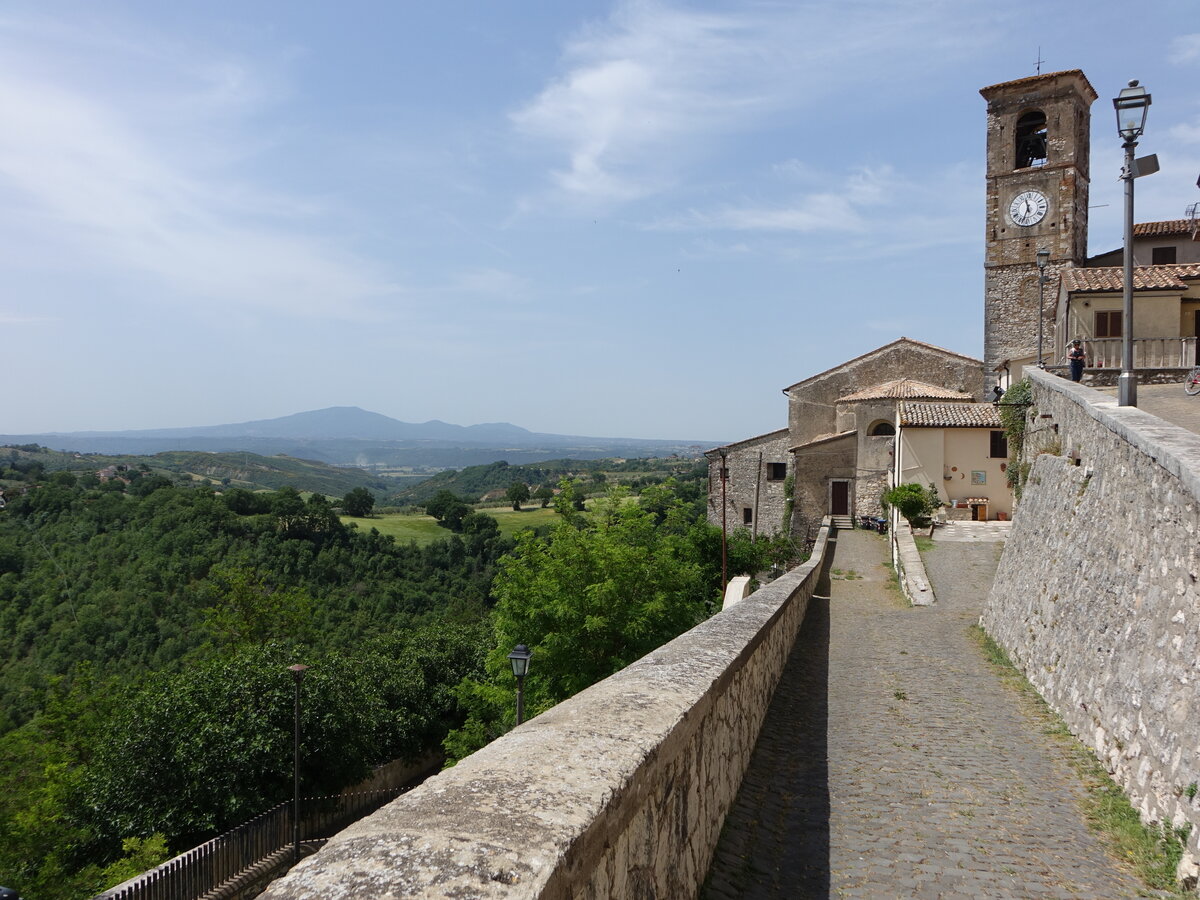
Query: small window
{"x": 1031, "y": 139}
{"x": 776, "y": 471}
{"x": 1162, "y": 256}
{"x": 747, "y": 516}
{"x": 882, "y": 428}
{"x": 999, "y": 448}
{"x": 1108, "y": 324}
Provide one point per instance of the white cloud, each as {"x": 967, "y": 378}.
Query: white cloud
{"x": 105, "y": 175}
{"x": 643, "y": 92}
{"x": 1187, "y": 133}
{"x": 1184, "y": 49}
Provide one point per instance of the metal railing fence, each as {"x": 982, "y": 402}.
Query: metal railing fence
{"x": 202, "y": 869}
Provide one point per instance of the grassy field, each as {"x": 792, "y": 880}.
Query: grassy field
{"x": 424, "y": 530}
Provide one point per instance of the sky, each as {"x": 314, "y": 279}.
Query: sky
{"x": 617, "y": 219}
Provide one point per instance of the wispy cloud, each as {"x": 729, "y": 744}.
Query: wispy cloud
{"x": 105, "y": 172}
{"x": 1184, "y": 48}
{"x": 839, "y": 206}
{"x": 641, "y": 93}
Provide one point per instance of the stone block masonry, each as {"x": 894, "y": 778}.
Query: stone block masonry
{"x": 1096, "y": 597}
{"x": 618, "y": 792}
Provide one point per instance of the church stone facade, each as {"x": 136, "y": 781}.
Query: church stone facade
{"x": 839, "y": 442}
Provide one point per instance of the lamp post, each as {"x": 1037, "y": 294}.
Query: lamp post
{"x": 1043, "y": 258}
{"x": 1131, "y": 105}
{"x": 520, "y": 666}
{"x": 297, "y": 676}
{"x": 724, "y": 527}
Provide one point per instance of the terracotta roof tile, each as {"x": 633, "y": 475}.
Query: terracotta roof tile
{"x": 949, "y": 415}
{"x": 904, "y": 389}
{"x": 1173, "y": 226}
{"x": 1145, "y": 278}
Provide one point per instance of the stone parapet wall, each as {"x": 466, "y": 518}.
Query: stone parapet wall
{"x": 1107, "y": 377}
{"x": 620, "y": 791}
{"x": 1096, "y": 597}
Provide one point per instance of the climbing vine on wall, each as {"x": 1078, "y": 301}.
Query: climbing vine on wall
{"x": 1014, "y": 409}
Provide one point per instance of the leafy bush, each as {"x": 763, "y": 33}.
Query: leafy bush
{"x": 913, "y": 501}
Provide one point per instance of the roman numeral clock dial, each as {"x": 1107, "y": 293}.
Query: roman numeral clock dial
{"x": 1028, "y": 208}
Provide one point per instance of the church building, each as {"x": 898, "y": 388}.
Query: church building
{"x": 838, "y": 453}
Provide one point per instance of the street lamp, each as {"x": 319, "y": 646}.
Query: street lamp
{"x": 1131, "y": 105}
{"x": 520, "y": 666}
{"x": 297, "y": 671}
{"x": 1043, "y": 257}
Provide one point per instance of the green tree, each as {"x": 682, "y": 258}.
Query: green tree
{"x": 545, "y": 494}
{"x": 449, "y": 509}
{"x": 246, "y": 609}
{"x": 358, "y": 503}
{"x": 588, "y": 601}
{"x": 517, "y": 493}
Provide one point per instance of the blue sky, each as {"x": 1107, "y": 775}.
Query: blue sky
{"x": 633, "y": 219}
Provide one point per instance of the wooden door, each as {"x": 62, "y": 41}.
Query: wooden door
{"x": 839, "y": 498}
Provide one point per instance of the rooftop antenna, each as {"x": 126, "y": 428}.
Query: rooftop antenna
{"x": 1039, "y": 60}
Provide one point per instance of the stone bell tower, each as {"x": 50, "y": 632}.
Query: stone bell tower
{"x": 1037, "y": 197}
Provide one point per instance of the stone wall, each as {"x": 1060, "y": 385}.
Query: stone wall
{"x": 1096, "y": 596}
{"x": 1107, "y": 377}
{"x": 816, "y": 467}
{"x": 812, "y": 403}
{"x": 749, "y": 485}
{"x": 618, "y": 792}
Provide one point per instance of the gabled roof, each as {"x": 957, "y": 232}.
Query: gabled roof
{"x": 750, "y": 440}
{"x": 825, "y": 439}
{"x": 905, "y": 389}
{"x": 1172, "y": 226}
{"x": 949, "y": 415}
{"x": 1145, "y": 278}
{"x": 879, "y": 350}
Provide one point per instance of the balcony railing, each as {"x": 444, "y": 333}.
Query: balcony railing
{"x": 1148, "y": 353}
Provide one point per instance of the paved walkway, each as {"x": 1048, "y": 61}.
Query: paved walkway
{"x": 893, "y": 762}
{"x": 1169, "y": 402}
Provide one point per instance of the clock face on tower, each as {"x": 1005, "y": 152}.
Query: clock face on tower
{"x": 1028, "y": 208}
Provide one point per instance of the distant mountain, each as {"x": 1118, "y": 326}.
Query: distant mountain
{"x": 335, "y": 423}
{"x": 349, "y": 436}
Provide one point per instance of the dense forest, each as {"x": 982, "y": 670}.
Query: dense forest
{"x": 146, "y": 627}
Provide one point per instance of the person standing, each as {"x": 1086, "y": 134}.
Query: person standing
{"x": 1076, "y": 357}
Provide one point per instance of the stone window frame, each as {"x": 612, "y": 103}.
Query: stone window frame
{"x": 747, "y": 515}
{"x": 776, "y": 471}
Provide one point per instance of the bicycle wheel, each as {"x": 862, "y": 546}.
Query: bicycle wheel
{"x": 1192, "y": 385}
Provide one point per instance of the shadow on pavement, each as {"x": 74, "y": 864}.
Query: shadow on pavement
{"x": 776, "y": 838}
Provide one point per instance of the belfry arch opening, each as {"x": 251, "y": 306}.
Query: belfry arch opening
{"x": 1031, "y": 139}
{"x": 882, "y": 428}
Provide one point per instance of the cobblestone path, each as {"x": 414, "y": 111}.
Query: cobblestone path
{"x": 894, "y": 763}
